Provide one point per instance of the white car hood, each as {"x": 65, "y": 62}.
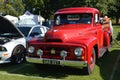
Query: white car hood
{"x": 8, "y": 27}
{"x": 8, "y": 31}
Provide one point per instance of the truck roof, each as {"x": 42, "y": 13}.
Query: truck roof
{"x": 77, "y": 10}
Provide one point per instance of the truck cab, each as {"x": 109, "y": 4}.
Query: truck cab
{"x": 76, "y": 39}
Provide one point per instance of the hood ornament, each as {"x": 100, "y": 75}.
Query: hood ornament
{"x": 54, "y": 30}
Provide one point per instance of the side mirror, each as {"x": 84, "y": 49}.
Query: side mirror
{"x": 96, "y": 18}
{"x": 101, "y": 20}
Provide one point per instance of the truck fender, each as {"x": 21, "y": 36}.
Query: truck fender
{"x": 90, "y": 47}
{"x": 106, "y": 39}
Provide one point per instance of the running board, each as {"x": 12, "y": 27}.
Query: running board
{"x": 102, "y": 51}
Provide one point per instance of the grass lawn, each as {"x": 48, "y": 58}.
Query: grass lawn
{"x": 104, "y": 70}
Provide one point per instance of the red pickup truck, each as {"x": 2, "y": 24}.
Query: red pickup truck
{"x": 76, "y": 39}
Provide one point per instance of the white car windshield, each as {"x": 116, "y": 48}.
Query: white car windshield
{"x": 25, "y": 30}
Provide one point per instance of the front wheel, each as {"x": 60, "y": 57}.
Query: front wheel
{"x": 18, "y": 55}
{"x": 90, "y": 67}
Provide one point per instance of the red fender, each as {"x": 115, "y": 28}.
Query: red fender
{"x": 106, "y": 40}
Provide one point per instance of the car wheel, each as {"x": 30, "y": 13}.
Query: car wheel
{"x": 90, "y": 67}
{"x": 18, "y": 55}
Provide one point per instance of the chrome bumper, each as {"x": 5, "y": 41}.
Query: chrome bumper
{"x": 79, "y": 64}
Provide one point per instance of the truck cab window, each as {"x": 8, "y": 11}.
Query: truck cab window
{"x": 81, "y": 18}
{"x": 57, "y": 21}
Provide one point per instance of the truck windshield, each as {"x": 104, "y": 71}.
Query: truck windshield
{"x": 83, "y": 18}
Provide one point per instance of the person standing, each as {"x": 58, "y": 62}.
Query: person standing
{"x": 107, "y": 23}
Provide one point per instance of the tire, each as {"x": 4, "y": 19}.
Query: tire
{"x": 18, "y": 55}
{"x": 107, "y": 52}
{"x": 90, "y": 67}
{"x": 111, "y": 41}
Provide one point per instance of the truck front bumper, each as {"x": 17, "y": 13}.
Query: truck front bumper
{"x": 78, "y": 64}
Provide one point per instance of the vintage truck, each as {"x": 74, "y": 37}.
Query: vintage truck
{"x": 76, "y": 39}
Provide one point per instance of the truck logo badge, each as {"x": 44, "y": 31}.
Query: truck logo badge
{"x": 52, "y": 51}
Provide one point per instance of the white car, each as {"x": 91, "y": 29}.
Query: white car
{"x": 12, "y": 43}
{"x": 31, "y": 31}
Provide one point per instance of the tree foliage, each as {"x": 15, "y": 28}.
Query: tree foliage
{"x": 114, "y": 10}
{"x": 11, "y": 7}
{"x": 47, "y": 8}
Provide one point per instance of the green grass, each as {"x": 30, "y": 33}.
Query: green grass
{"x": 28, "y": 71}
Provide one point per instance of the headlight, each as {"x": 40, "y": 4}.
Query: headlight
{"x": 31, "y": 49}
{"x": 78, "y": 51}
{"x": 39, "y": 52}
{"x": 2, "y": 48}
{"x": 63, "y": 53}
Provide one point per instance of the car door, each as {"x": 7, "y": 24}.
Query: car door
{"x": 35, "y": 32}
{"x": 98, "y": 29}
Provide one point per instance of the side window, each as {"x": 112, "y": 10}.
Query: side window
{"x": 57, "y": 22}
{"x": 96, "y": 18}
{"x": 35, "y": 32}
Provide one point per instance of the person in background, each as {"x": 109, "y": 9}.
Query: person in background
{"x": 107, "y": 23}
{"x": 111, "y": 27}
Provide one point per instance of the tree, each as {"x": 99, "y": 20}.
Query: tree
{"x": 46, "y": 8}
{"x": 114, "y": 9}
{"x": 18, "y": 7}
{"x": 11, "y": 7}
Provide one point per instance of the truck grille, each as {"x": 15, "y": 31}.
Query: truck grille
{"x": 57, "y": 52}
{"x": 47, "y": 52}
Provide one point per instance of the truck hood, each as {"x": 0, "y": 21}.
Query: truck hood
{"x": 67, "y": 32}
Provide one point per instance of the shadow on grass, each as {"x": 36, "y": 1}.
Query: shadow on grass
{"x": 105, "y": 64}
{"x": 40, "y": 70}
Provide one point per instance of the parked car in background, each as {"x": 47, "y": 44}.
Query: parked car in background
{"x": 12, "y": 43}
{"x": 31, "y": 31}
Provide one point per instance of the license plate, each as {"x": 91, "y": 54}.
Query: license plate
{"x": 54, "y": 62}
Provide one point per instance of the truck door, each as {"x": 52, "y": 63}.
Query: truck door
{"x": 99, "y": 30}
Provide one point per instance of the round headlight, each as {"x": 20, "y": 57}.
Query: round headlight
{"x": 63, "y": 53}
{"x": 78, "y": 51}
{"x": 39, "y": 52}
{"x": 31, "y": 49}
